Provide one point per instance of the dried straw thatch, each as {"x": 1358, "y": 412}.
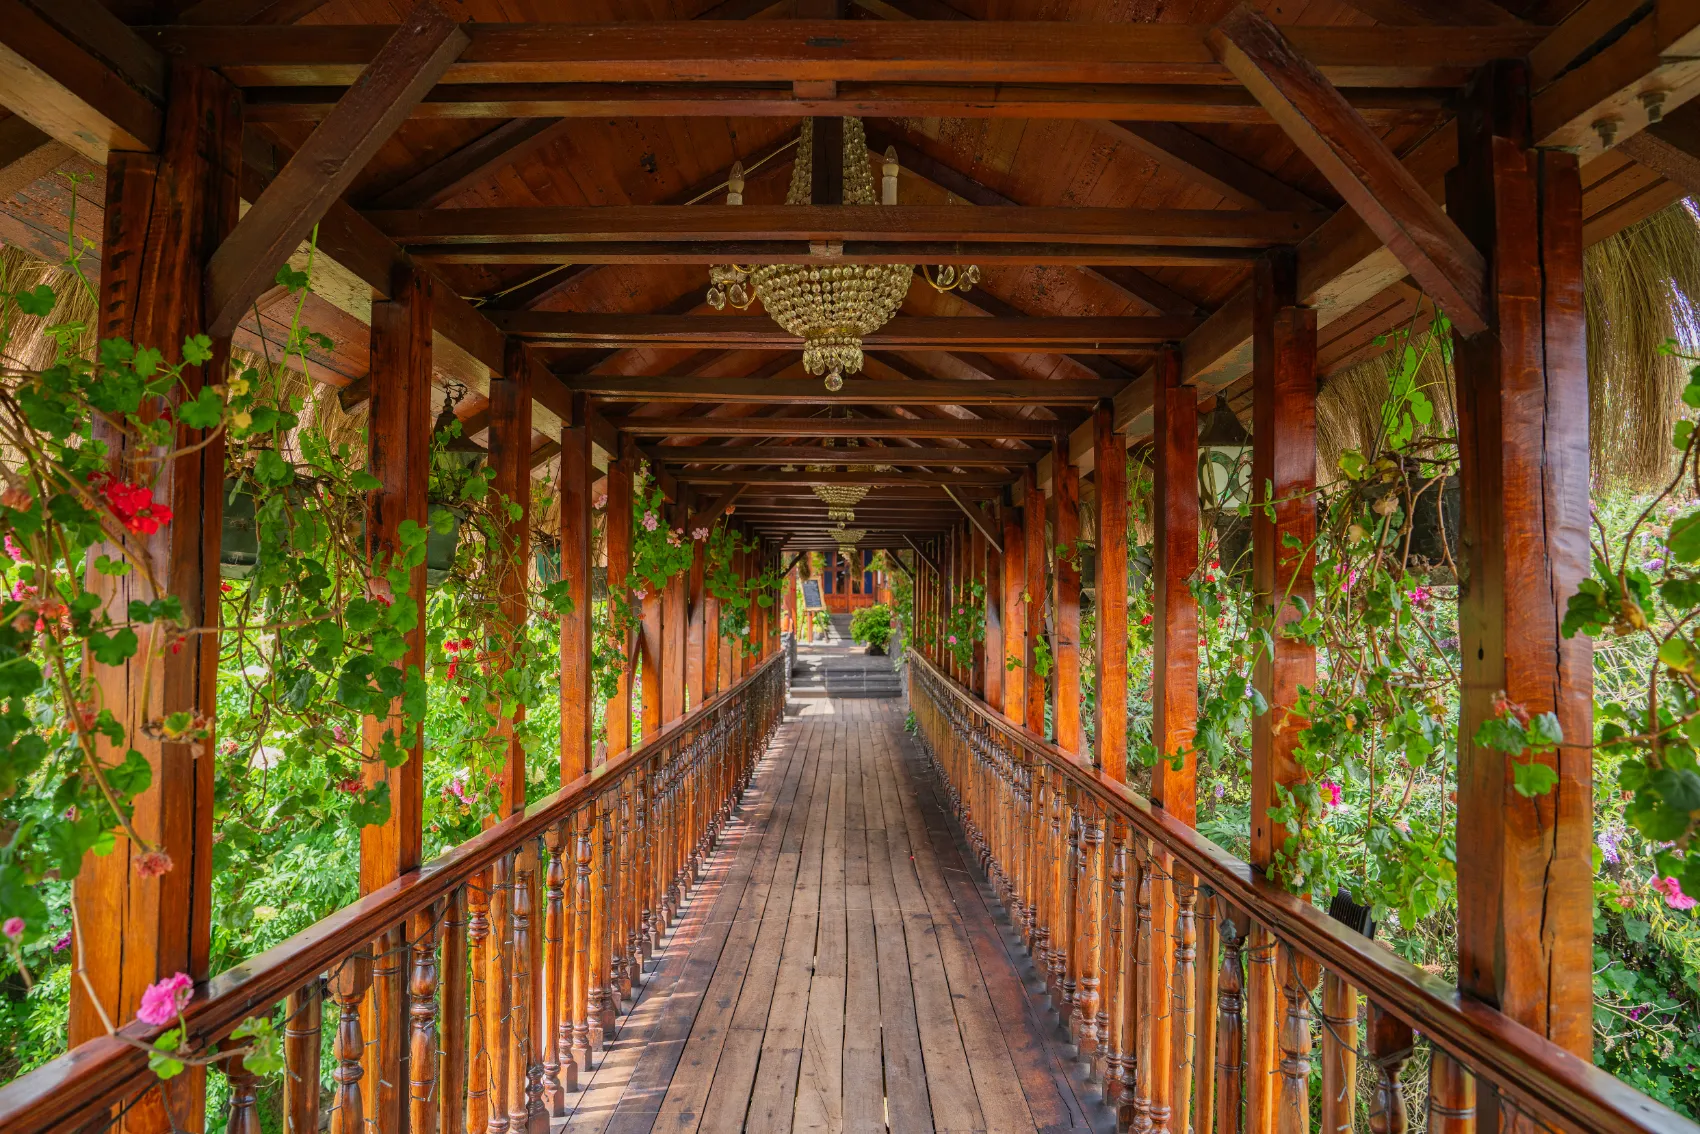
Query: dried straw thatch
{"x": 1640, "y": 288}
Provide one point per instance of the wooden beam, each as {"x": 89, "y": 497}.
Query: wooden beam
{"x": 1357, "y": 163}
{"x": 925, "y": 558}
{"x": 1065, "y": 610}
{"x": 1415, "y": 13}
{"x": 974, "y": 517}
{"x": 1174, "y": 621}
{"x": 412, "y": 59}
{"x": 577, "y": 471}
{"x": 1147, "y": 102}
{"x": 802, "y": 476}
{"x": 451, "y": 175}
{"x": 1525, "y": 903}
{"x": 266, "y": 12}
{"x": 1012, "y": 646}
{"x": 688, "y": 225}
{"x": 785, "y": 51}
{"x": 1017, "y": 429}
{"x": 717, "y": 508}
{"x": 1116, "y": 334}
{"x": 64, "y": 89}
{"x": 26, "y": 155}
{"x": 1670, "y": 147}
{"x": 617, "y": 715}
{"x": 866, "y": 391}
{"x": 1203, "y": 161}
{"x": 1035, "y": 591}
{"x": 862, "y": 455}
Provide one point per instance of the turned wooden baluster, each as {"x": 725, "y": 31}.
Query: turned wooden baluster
{"x": 1204, "y": 1015}
{"x": 1390, "y": 1043}
{"x": 422, "y": 1096}
{"x": 385, "y": 1013}
{"x": 455, "y": 1038}
{"x": 477, "y": 1039}
{"x": 1182, "y": 1010}
{"x": 1116, "y": 1062}
{"x": 1145, "y": 1033}
{"x": 1230, "y": 1022}
{"x": 525, "y": 1071}
{"x": 348, "y": 988}
{"x": 1073, "y": 891}
{"x": 581, "y": 941}
{"x": 243, "y": 1113}
{"x": 1296, "y": 973}
{"x": 1451, "y": 1096}
{"x": 619, "y": 962}
{"x": 1090, "y": 919}
{"x": 302, "y": 1024}
{"x": 1339, "y": 1055}
{"x": 596, "y": 952}
{"x": 608, "y": 894}
{"x": 498, "y": 992}
{"x": 559, "y": 1073}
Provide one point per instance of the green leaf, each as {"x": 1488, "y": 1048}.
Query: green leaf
{"x": 204, "y": 411}
{"x": 1684, "y": 538}
{"x": 114, "y": 650}
{"x": 364, "y": 481}
{"x": 197, "y": 349}
{"x": 271, "y": 470}
{"x": 1531, "y": 778}
{"x": 37, "y": 301}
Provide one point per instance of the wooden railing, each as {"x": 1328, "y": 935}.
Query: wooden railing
{"x": 485, "y": 979}
{"x": 1191, "y": 983}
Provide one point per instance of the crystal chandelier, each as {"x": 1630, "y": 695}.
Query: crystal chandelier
{"x": 829, "y": 305}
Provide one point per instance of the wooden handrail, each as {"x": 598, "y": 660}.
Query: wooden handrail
{"x": 79, "y": 1087}
{"x": 1567, "y": 1092}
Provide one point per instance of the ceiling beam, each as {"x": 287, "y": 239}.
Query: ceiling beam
{"x": 803, "y": 476}
{"x": 1097, "y": 334}
{"x": 1006, "y": 52}
{"x": 472, "y": 163}
{"x": 1671, "y": 147}
{"x": 681, "y": 225}
{"x": 811, "y": 391}
{"x": 1019, "y": 428}
{"x": 1144, "y": 102}
{"x": 328, "y": 162}
{"x": 26, "y": 155}
{"x": 56, "y": 83}
{"x": 1366, "y": 174}
{"x": 862, "y": 455}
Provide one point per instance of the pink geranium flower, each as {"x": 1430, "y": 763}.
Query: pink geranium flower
{"x": 13, "y": 929}
{"x": 1672, "y": 891}
{"x": 1331, "y": 792}
{"x": 151, "y": 864}
{"x": 161, "y": 1002}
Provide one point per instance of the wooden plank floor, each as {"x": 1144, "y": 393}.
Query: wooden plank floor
{"x": 842, "y": 966}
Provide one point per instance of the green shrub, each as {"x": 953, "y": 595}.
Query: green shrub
{"x": 872, "y": 624}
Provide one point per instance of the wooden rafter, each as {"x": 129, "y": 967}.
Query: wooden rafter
{"x": 816, "y": 454}
{"x": 326, "y": 164}
{"x": 1111, "y": 334}
{"x": 1357, "y": 163}
{"x": 1021, "y": 428}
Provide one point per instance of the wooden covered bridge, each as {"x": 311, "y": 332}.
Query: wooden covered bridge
{"x": 793, "y": 914}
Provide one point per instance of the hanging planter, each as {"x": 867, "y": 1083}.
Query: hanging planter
{"x": 441, "y": 546}
{"x": 1233, "y": 544}
{"x": 239, "y": 540}
{"x": 1436, "y": 523}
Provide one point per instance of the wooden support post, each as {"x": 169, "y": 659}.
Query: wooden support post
{"x": 1175, "y": 616}
{"x": 576, "y": 698}
{"x": 673, "y": 637}
{"x": 976, "y": 577}
{"x": 1284, "y": 464}
{"x": 165, "y": 213}
{"x": 695, "y": 638}
{"x": 649, "y": 652}
{"x": 1524, "y": 906}
{"x": 1015, "y": 676}
{"x": 1033, "y": 539}
{"x": 1110, "y": 621}
{"x": 617, "y": 715}
{"x": 713, "y": 662}
{"x": 994, "y": 644}
{"x": 1065, "y": 604}
{"x": 510, "y": 461}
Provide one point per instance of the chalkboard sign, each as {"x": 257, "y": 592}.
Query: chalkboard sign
{"x": 811, "y": 595}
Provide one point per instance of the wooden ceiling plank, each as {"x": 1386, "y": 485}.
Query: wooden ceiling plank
{"x": 803, "y": 476}
{"x": 26, "y": 155}
{"x": 267, "y": 12}
{"x": 639, "y": 224}
{"x": 1013, "y": 52}
{"x": 1408, "y": 13}
{"x": 926, "y": 250}
{"x": 1017, "y": 429}
{"x": 1203, "y": 161}
{"x": 1366, "y": 174}
{"x": 1670, "y": 147}
{"x": 453, "y": 174}
{"x": 811, "y": 391}
{"x": 328, "y": 161}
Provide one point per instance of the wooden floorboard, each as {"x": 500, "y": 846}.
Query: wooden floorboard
{"x": 841, "y": 967}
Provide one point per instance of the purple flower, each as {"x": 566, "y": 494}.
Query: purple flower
{"x": 1655, "y": 564}
{"x": 1610, "y": 843}
{"x": 650, "y": 523}
{"x": 1450, "y": 642}
{"x": 63, "y": 943}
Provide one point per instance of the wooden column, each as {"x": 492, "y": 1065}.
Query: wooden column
{"x": 577, "y": 472}
{"x": 649, "y": 651}
{"x": 1175, "y": 618}
{"x": 617, "y": 716}
{"x": 695, "y": 643}
{"x": 165, "y": 213}
{"x": 1110, "y": 654}
{"x": 1065, "y": 602}
{"x": 977, "y": 575}
{"x": 1033, "y": 539}
{"x": 994, "y": 646}
{"x": 673, "y": 626}
{"x": 1525, "y": 934}
{"x": 1175, "y": 709}
{"x": 712, "y": 652}
{"x": 510, "y": 461}
{"x": 1284, "y": 466}
{"x": 1015, "y": 678}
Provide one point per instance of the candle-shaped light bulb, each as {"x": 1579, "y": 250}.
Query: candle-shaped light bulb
{"x": 735, "y": 184}
{"x": 888, "y": 180}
